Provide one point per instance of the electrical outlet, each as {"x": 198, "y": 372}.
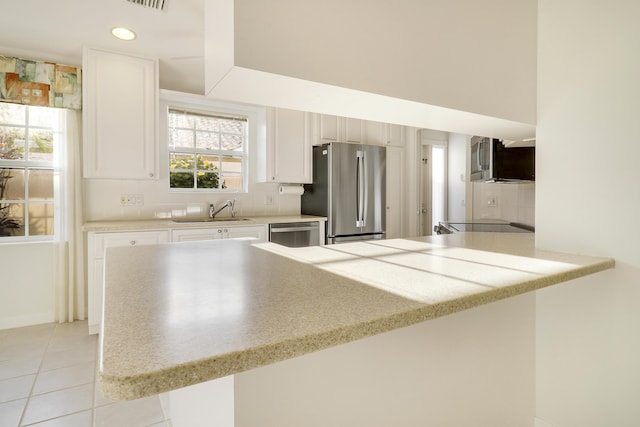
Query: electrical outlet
{"x": 492, "y": 201}
{"x": 131, "y": 200}
{"x": 268, "y": 199}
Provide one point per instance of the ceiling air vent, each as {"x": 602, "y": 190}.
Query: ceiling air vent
{"x": 152, "y": 4}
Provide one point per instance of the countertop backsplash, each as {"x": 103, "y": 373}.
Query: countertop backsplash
{"x": 514, "y": 202}
{"x": 103, "y": 201}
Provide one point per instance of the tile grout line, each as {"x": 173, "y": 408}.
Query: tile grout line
{"x": 37, "y": 375}
{"x": 35, "y": 380}
{"x": 57, "y": 331}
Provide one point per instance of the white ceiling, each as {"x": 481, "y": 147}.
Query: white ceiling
{"x": 57, "y": 30}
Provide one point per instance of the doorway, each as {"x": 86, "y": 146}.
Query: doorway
{"x": 433, "y": 180}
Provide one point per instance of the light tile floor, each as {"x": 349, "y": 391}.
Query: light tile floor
{"x": 48, "y": 379}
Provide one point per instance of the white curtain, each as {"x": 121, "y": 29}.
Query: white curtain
{"x": 69, "y": 254}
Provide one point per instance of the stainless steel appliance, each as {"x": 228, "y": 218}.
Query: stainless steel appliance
{"x": 492, "y": 161}
{"x": 295, "y": 234}
{"x": 349, "y": 189}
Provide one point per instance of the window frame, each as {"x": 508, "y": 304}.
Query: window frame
{"x": 27, "y": 165}
{"x": 256, "y": 119}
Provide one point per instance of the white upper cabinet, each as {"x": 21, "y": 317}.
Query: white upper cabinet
{"x": 288, "y": 151}
{"x": 119, "y": 115}
{"x": 396, "y": 135}
{"x": 329, "y": 128}
{"x": 353, "y": 130}
{"x": 377, "y": 133}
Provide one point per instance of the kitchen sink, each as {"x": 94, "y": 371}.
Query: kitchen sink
{"x": 187, "y": 219}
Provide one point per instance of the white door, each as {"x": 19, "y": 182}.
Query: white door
{"x": 438, "y": 184}
{"x": 425, "y": 196}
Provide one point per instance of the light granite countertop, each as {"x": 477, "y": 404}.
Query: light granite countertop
{"x": 183, "y": 313}
{"x": 164, "y": 224}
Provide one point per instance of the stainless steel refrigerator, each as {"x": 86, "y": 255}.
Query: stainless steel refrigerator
{"x": 349, "y": 188}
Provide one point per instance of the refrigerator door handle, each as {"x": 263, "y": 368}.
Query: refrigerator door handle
{"x": 360, "y": 188}
{"x": 365, "y": 195}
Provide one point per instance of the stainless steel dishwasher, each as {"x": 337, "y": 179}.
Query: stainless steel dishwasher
{"x": 295, "y": 234}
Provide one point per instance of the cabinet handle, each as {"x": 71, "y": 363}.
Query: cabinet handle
{"x": 151, "y": 175}
{"x": 226, "y": 231}
{"x": 219, "y": 231}
{"x": 132, "y": 243}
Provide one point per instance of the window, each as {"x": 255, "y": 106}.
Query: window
{"x": 207, "y": 152}
{"x": 27, "y": 171}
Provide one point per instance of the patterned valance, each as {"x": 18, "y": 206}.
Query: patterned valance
{"x": 40, "y": 83}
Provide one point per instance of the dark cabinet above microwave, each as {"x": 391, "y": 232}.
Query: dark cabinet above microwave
{"x": 492, "y": 161}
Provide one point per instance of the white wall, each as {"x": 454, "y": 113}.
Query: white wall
{"x": 458, "y": 54}
{"x": 25, "y": 284}
{"x": 587, "y": 201}
{"x": 473, "y": 368}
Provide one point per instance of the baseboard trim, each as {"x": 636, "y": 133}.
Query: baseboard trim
{"x": 27, "y": 320}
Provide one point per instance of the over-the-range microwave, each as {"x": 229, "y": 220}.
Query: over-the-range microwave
{"x": 492, "y": 161}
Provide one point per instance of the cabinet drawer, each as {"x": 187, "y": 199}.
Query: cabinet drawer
{"x": 196, "y": 234}
{"x": 255, "y": 232}
{"x": 111, "y": 240}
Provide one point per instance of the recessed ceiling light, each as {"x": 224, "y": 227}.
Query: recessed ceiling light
{"x": 123, "y": 33}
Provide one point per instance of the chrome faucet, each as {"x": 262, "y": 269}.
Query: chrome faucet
{"x": 231, "y": 204}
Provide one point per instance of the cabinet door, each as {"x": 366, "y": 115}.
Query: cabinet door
{"x": 375, "y": 133}
{"x": 353, "y": 130}
{"x": 328, "y": 128}
{"x": 134, "y": 238}
{"x": 395, "y": 192}
{"x": 95, "y": 290}
{"x": 257, "y": 232}
{"x": 291, "y": 147}
{"x": 119, "y": 115}
{"x": 396, "y": 135}
{"x": 97, "y": 243}
{"x": 190, "y": 235}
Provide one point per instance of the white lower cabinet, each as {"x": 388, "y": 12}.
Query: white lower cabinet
{"x": 97, "y": 242}
{"x": 256, "y": 232}
{"x": 96, "y": 245}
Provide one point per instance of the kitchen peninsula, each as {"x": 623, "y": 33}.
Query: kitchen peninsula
{"x": 176, "y": 315}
